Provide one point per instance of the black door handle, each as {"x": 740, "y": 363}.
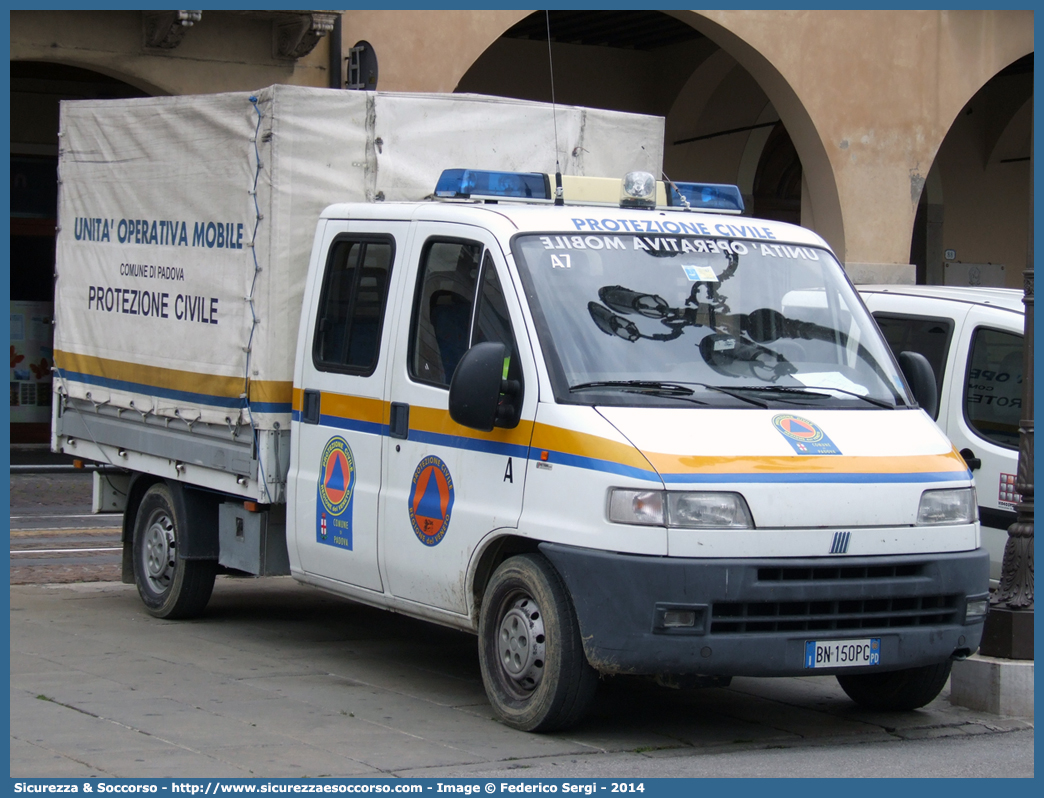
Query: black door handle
{"x": 400, "y": 420}
{"x": 310, "y": 410}
{"x": 970, "y": 458}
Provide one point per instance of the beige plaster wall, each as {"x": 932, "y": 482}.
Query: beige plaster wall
{"x": 425, "y": 50}
{"x": 222, "y": 52}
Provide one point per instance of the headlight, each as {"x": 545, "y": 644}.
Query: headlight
{"x": 707, "y": 511}
{"x": 951, "y": 506}
{"x": 680, "y": 509}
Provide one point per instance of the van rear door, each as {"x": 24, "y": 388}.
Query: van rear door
{"x": 986, "y": 424}
{"x": 343, "y": 416}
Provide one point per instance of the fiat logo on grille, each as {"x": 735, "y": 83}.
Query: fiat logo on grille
{"x": 840, "y": 544}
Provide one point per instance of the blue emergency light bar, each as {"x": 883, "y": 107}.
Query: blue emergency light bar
{"x": 476, "y": 184}
{"x": 705, "y": 196}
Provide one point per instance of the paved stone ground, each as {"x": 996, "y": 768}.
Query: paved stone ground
{"x": 70, "y": 573}
{"x": 39, "y": 501}
{"x": 37, "y": 493}
{"x": 281, "y": 680}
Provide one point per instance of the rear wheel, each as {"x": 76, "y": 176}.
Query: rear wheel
{"x": 897, "y": 691}
{"x": 533, "y": 665}
{"x": 170, "y": 587}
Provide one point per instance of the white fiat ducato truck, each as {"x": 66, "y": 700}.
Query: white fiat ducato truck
{"x": 617, "y": 429}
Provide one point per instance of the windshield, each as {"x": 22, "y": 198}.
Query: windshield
{"x": 638, "y": 320}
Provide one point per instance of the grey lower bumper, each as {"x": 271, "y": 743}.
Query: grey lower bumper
{"x": 754, "y": 617}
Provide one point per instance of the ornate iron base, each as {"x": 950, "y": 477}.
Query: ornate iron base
{"x": 1008, "y": 633}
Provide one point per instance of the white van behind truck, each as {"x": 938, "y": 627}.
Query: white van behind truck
{"x": 973, "y": 339}
{"x": 613, "y": 429}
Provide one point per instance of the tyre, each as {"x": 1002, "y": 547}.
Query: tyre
{"x": 170, "y": 587}
{"x": 532, "y": 658}
{"x": 896, "y": 691}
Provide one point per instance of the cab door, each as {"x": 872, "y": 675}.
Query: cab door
{"x": 984, "y": 424}
{"x": 340, "y": 417}
{"x": 446, "y": 487}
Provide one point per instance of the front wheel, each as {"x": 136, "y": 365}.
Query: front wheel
{"x": 896, "y": 691}
{"x": 532, "y": 658}
{"x": 170, "y": 587}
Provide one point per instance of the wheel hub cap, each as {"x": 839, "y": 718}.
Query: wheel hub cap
{"x": 521, "y": 643}
{"x": 159, "y": 552}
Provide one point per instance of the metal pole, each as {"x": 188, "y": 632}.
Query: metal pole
{"x": 1008, "y": 630}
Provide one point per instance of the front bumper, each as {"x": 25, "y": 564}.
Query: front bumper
{"x": 752, "y": 617}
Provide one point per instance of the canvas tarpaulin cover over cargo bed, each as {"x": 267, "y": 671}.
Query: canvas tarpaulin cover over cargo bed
{"x": 186, "y": 223}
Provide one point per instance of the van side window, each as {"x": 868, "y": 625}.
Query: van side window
{"x": 922, "y": 334}
{"x": 993, "y": 393}
{"x": 351, "y": 306}
{"x": 492, "y": 321}
{"x": 443, "y": 302}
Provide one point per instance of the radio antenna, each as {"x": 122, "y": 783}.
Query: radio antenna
{"x": 559, "y": 194}
{"x": 684, "y": 201}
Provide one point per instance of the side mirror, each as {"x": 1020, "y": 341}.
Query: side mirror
{"x": 476, "y": 388}
{"x": 918, "y": 372}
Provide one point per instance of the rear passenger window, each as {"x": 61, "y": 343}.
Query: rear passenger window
{"x": 351, "y": 306}
{"x": 993, "y": 393}
{"x": 925, "y": 335}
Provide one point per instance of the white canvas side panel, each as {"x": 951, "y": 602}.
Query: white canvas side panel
{"x": 612, "y": 143}
{"x": 422, "y": 134}
{"x": 153, "y": 257}
{"x": 314, "y": 150}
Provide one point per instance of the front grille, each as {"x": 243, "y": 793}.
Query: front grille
{"x": 814, "y": 616}
{"x": 825, "y": 574}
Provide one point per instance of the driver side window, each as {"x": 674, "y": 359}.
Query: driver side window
{"x": 458, "y": 302}
{"x": 442, "y": 309}
{"x": 492, "y": 321}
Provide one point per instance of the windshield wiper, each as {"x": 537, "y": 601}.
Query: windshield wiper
{"x": 733, "y": 394}
{"x": 736, "y": 392}
{"x": 813, "y": 390}
{"x": 637, "y": 386}
{"x": 663, "y": 389}
{"x": 670, "y": 390}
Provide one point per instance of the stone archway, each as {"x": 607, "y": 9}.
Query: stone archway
{"x": 689, "y": 69}
{"x": 37, "y": 88}
{"x": 867, "y": 97}
{"x": 635, "y": 61}
{"x": 975, "y": 204}
{"x": 776, "y": 191}
{"x": 820, "y": 206}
